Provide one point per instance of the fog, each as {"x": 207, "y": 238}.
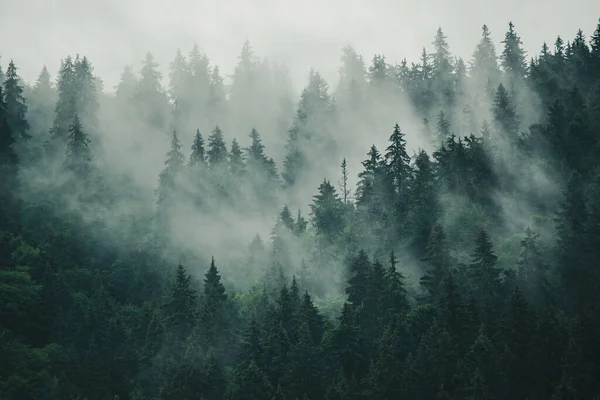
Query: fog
{"x": 306, "y": 34}
{"x": 292, "y": 47}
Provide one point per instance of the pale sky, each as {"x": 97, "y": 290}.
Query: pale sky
{"x": 303, "y": 34}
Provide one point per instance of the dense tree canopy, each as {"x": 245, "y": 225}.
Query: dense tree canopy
{"x": 467, "y": 269}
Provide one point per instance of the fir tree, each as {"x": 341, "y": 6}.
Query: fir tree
{"x": 504, "y": 113}
{"x": 78, "y": 157}
{"x": 197, "y": 157}
{"x": 180, "y": 306}
{"x": 169, "y": 177}
{"x": 484, "y": 276}
{"x": 327, "y": 211}
{"x": 484, "y": 65}
{"x": 16, "y": 107}
{"x": 236, "y": 160}
{"x": 214, "y": 297}
{"x": 398, "y": 162}
{"x": 513, "y": 56}
{"x": 65, "y": 109}
{"x": 437, "y": 261}
{"x": 217, "y": 151}
{"x": 344, "y": 182}
{"x": 443, "y": 127}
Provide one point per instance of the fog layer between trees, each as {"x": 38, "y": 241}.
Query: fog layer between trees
{"x": 418, "y": 229}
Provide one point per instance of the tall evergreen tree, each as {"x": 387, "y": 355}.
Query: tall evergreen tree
{"x": 327, "y": 211}
{"x": 483, "y": 275}
{"x": 168, "y": 179}
{"x": 16, "y": 107}
{"x": 512, "y": 58}
{"x": 437, "y": 262}
{"x": 217, "y": 151}
{"x": 236, "y": 159}
{"x": 398, "y": 162}
{"x": 78, "y": 157}
{"x": 484, "y": 65}
{"x": 150, "y": 97}
{"x": 198, "y": 156}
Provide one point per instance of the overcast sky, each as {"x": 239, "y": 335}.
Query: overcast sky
{"x": 303, "y": 34}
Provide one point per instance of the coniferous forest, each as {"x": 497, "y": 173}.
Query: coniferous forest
{"x": 211, "y": 234}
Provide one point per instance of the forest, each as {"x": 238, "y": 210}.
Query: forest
{"x": 424, "y": 229}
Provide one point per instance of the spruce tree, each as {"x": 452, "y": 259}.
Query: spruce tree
{"x": 16, "y": 107}
{"x": 217, "y": 151}
{"x": 504, "y": 113}
{"x": 484, "y": 65}
{"x": 236, "y": 160}
{"x": 169, "y": 177}
{"x": 512, "y": 58}
{"x": 483, "y": 275}
{"x": 358, "y": 280}
{"x": 78, "y": 157}
{"x": 198, "y": 156}
{"x": 398, "y": 162}
{"x": 327, "y": 211}
{"x": 150, "y": 97}
{"x": 437, "y": 262}
{"x": 213, "y": 300}
{"x": 532, "y": 269}
{"x": 180, "y": 307}
{"x": 65, "y": 109}
{"x": 9, "y": 164}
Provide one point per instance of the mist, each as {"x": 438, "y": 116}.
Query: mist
{"x": 226, "y": 195}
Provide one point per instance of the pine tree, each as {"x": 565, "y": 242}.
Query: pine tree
{"x": 484, "y": 276}
{"x": 300, "y": 224}
{"x": 198, "y": 157}
{"x": 395, "y": 295}
{"x": 443, "y": 127}
{"x": 169, "y": 177}
{"x": 327, "y": 211}
{"x": 532, "y": 269}
{"x": 424, "y": 209}
{"x": 236, "y": 160}
{"x": 504, "y": 113}
{"x": 217, "y": 96}
{"x": 344, "y": 182}
{"x": 125, "y": 90}
{"x": 398, "y": 162}
{"x": 512, "y": 58}
{"x": 358, "y": 282}
{"x": 86, "y": 100}
{"x": 16, "y": 107}
{"x": 217, "y": 151}
{"x": 484, "y": 65}
{"x": 437, "y": 261}
{"x": 378, "y": 71}
{"x": 213, "y": 300}
{"x": 479, "y": 372}
{"x": 150, "y": 97}
{"x": 286, "y": 218}
{"x": 180, "y": 307}
{"x": 9, "y": 163}
{"x": 442, "y": 69}
{"x": 65, "y": 109}
{"x": 78, "y": 157}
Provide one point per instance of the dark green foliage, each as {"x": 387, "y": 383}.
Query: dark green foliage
{"x": 16, "y": 107}
{"x": 89, "y": 308}
{"x": 78, "y": 157}
{"x": 198, "y": 156}
{"x": 217, "y": 150}
{"x": 327, "y": 211}
{"x": 483, "y": 274}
